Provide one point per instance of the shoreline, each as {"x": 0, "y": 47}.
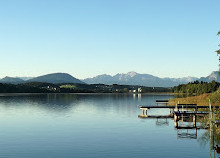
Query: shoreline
{"x": 159, "y": 93}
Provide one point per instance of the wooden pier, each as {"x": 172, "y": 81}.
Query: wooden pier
{"x": 182, "y": 113}
{"x": 185, "y": 117}
{"x": 162, "y": 102}
{"x": 188, "y": 106}
{"x": 177, "y": 107}
{"x": 155, "y": 116}
{"x": 178, "y": 112}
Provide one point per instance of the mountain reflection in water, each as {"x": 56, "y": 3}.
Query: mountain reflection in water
{"x": 93, "y": 125}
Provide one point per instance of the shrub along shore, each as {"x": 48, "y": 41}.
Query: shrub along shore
{"x": 203, "y": 92}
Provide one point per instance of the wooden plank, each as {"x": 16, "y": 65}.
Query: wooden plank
{"x": 165, "y": 101}
{"x": 187, "y": 104}
{"x": 190, "y": 127}
{"x": 172, "y": 107}
{"x": 155, "y": 116}
{"x": 179, "y": 113}
{"x": 156, "y": 107}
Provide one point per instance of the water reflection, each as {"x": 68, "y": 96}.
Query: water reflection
{"x": 212, "y": 135}
{"x": 50, "y": 102}
{"x": 187, "y": 125}
{"x": 162, "y": 122}
{"x": 92, "y": 125}
{"x": 139, "y": 96}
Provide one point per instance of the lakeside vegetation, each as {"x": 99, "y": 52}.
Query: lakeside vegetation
{"x": 197, "y": 93}
{"x": 39, "y": 87}
{"x": 199, "y": 100}
{"x": 197, "y": 87}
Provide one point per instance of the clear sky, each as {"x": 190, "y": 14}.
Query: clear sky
{"x": 85, "y": 38}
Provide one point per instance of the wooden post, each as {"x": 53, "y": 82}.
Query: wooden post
{"x": 194, "y": 120}
{"x": 175, "y": 121}
{"x": 210, "y": 106}
{"x": 175, "y": 117}
{"x": 144, "y": 111}
{"x": 171, "y": 111}
{"x": 175, "y": 124}
{"x": 176, "y": 108}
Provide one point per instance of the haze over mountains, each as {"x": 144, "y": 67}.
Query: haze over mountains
{"x": 133, "y": 78}
{"x": 130, "y": 78}
{"x": 213, "y": 76}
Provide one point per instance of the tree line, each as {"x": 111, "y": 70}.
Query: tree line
{"x": 39, "y": 87}
{"x": 197, "y": 87}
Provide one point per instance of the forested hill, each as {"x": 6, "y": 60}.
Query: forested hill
{"x": 56, "y": 78}
{"x": 197, "y": 87}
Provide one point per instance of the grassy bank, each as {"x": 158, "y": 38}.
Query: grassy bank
{"x": 215, "y": 97}
{"x": 199, "y": 100}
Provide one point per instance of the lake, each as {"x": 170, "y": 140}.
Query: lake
{"x": 91, "y": 126}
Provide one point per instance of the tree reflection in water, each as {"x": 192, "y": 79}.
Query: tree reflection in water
{"x": 212, "y": 134}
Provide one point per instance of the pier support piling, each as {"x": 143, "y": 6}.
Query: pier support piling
{"x": 194, "y": 120}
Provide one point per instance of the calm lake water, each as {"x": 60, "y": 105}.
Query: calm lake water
{"x": 90, "y": 125}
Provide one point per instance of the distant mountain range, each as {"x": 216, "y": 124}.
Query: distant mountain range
{"x": 130, "y": 78}
{"x": 49, "y": 78}
{"x": 13, "y": 80}
{"x": 133, "y": 78}
{"x": 213, "y": 76}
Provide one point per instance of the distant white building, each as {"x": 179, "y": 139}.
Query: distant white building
{"x": 139, "y": 90}
{"x": 133, "y": 91}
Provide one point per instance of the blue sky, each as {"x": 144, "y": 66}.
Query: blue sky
{"x": 89, "y": 37}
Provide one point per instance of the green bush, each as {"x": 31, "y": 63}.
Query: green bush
{"x": 215, "y": 96}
